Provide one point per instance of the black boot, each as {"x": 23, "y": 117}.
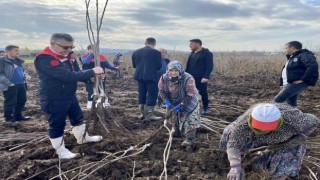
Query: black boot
{"x": 7, "y": 113}
{"x": 18, "y": 114}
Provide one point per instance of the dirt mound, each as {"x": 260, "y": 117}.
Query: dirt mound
{"x": 22, "y": 159}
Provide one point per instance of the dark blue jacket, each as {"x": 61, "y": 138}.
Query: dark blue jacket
{"x": 58, "y": 76}
{"x": 302, "y": 65}
{"x": 147, "y": 62}
{"x": 203, "y": 66}
{"x": 164, "y": 64}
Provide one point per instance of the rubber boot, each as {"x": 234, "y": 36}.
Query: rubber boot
{"x": 190, "y": 138}
{"x": 89, "y": 104}
{"x": 149, "y": 114}
{"x": 141, "y": 109}
{"x": 61, "y": 150}
{"x": 82, "y": 136}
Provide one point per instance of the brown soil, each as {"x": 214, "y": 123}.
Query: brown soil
{"x": 229, "y": 98}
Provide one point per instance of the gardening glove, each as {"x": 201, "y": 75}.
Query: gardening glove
{"x": 234, "y": 157}
{"x": 177, "y": 108}
{"x": 235, "y": 173}
{"x": 168, "y": 105}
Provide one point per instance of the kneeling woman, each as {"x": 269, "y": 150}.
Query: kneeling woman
{"x": 271, "y": 125}
{"x": 178, "y": 89}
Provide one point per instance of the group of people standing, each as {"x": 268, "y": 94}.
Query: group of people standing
{"x": 178, "y": 89}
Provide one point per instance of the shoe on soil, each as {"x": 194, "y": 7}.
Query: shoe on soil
{"x": 61, "y": 150}
{"x": 89, "y": 104}
{"x": 9, "y": 119}
{"x": 149, "y": 114}
{"x": 187, "y": 143}
{"x": 22, "y": 118}
{"x": 82, "y": 136}
{"x": 190, "y": 138}
{"x": 141, "y": 109}
{"x": 205, "y": 111}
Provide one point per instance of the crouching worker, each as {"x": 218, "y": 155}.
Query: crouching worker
{"x": 283, "y": 129}
{"x": 178, "y": 89}
{"x": 58, "y": 84}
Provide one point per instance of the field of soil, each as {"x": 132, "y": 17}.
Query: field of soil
{"x": 26, "y": 153}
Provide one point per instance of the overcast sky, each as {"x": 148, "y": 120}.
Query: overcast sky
{"x": 221, "y": 24}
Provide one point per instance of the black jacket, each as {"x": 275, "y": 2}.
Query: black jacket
{"x": 58, "y": 76}
{"x": 203, "y": 65}
{"x": 147, "y": 62}
{"x": 302, "y": 65}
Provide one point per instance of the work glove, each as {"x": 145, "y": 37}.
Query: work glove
{"x": 177, "y": 108}
{"x": 235, "y": 173}
{"x": 234, "y": 157}
{"x": 168, "y": 105}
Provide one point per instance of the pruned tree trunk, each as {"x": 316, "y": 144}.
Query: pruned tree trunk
{"x": 100, "y": 99}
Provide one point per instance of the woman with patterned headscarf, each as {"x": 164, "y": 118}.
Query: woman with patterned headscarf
{"x": 178, "y": 90}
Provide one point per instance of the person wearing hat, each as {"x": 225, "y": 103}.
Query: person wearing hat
{"x": 269, "y": 124}
{"x": 178, "y": 89}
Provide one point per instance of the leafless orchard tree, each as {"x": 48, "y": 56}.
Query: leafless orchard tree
{"x": 100, "y": 101}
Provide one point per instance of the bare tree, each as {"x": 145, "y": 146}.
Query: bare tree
{"x": 100, "y": 98}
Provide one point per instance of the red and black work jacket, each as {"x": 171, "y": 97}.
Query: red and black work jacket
{"x": 58, "y": 76}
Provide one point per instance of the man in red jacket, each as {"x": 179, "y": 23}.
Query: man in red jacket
{"x": 58, "y": 84}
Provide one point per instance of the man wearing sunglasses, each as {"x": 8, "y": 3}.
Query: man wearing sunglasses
{"x": 58, "y": 84}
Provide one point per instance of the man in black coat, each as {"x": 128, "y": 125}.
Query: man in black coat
{"x": 200, "y": 66}
{"x": 147, "y": 62}
{"x": 300, "y": 71}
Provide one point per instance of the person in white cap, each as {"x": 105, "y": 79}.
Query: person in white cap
{"x": 269, "y": 124}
